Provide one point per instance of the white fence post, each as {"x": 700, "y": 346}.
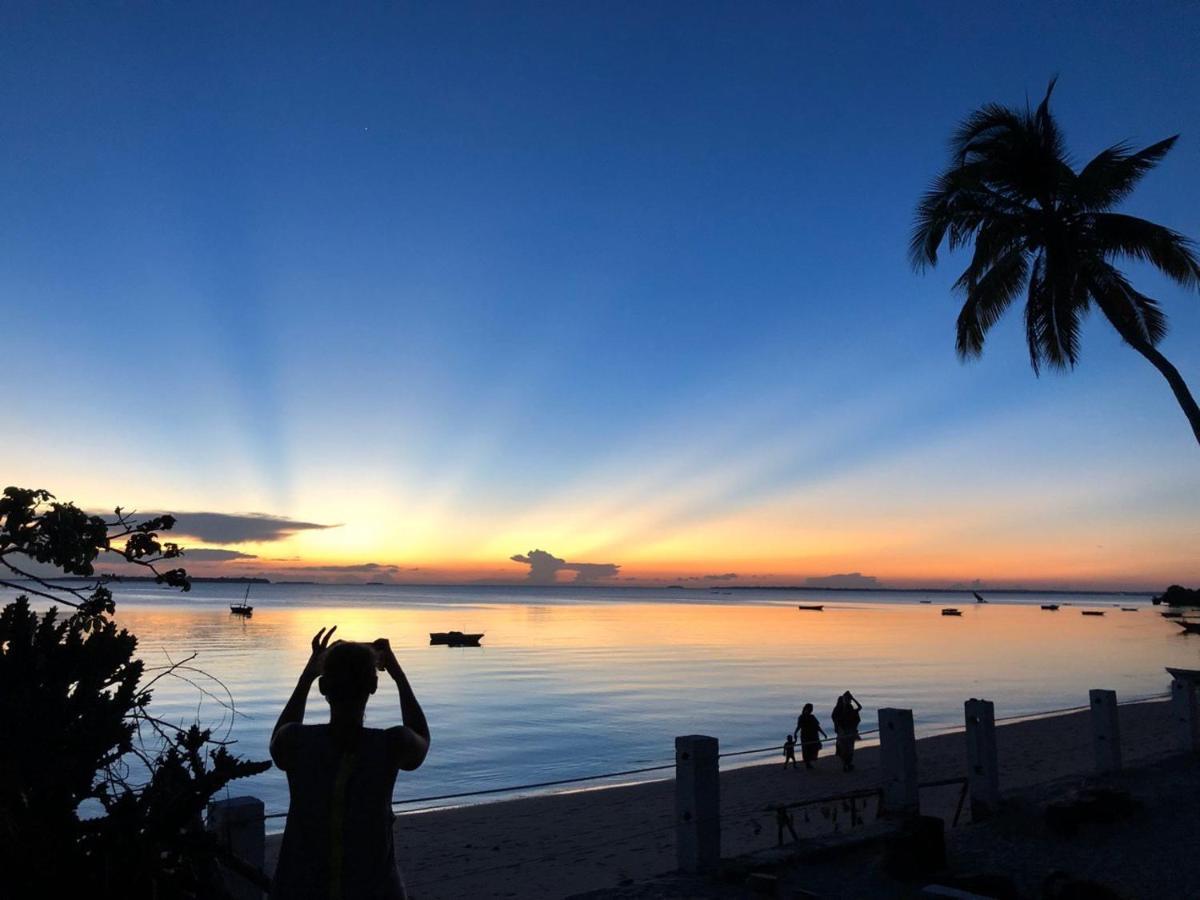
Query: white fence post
{"x": 898, "y": 759}
{"x": 1106, "y": 730}
{"x": 1183, "y": 708}
{"x": 983, "y": 771}
{"x": 697, "y": 804}
{"x": 240, "y": 828}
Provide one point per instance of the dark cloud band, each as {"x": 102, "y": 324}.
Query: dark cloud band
{"x": 544, "y": 568}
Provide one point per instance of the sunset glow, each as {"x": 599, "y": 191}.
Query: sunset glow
{"x": 672, "y": 330}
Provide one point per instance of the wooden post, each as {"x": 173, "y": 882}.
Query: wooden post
{"x": 983, "y": 771}
{"x": 1106, "y": 730}
{"x": 240, "y": 828}
{"x": 898, "y": 759}
{"x": 1187, "y": 716}
{"x": 697, "y": 804}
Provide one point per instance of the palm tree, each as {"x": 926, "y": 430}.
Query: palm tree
{"x": 1044, "y": 230}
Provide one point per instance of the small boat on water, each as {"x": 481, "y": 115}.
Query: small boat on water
{"x": 243, "y": 609}
{"x": 1129, "y": 609}
{"x": 1173, "y": 614}
{"x": 1189, "y": 627}
{"x": 1050, "y": 606}
{"x": 951, "y": 611}
{"x": 978, "y": 599}
{"x": 1092, "y": 612}
{"x": 454, "y": 639}
{"x": 812, "y": 608}
{"x": 925, "y": 601}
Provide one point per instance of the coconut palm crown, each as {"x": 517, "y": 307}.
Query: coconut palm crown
{"x": 1046, "y": 231}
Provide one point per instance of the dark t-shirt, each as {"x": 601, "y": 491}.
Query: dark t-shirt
{"x": 338, "y": 842}
{"x": 809, "y": 728}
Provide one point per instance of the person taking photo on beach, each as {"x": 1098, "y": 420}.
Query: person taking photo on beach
{"x": 338, "y": 839}
{"x": 810, "y": 733}
{"x": 846, "y": 718}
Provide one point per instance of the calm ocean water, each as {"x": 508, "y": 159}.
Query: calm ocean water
{"x": 574, "y": 682}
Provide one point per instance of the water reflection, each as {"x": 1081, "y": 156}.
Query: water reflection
{"x": 572, "y": 688}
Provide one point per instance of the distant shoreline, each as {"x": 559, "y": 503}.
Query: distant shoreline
{"x": 201, "y": 579}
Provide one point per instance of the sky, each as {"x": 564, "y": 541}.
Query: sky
{"x": 404, "y": 292}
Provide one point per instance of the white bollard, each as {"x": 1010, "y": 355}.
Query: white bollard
{"x": 239, "y": 826}
{"x": 898, "y": 760}
{"x": 1187, "y": 716}
{"x": 1106, "y": 730}
{"x": 983, "y": 770}
{"x": 697, "y": 804}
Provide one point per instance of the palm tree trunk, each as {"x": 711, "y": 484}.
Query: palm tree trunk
{"x": 1178, "y": 385}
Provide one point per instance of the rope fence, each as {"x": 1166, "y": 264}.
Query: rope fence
{"x": 773, "y": 748}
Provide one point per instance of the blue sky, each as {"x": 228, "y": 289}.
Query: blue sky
{"x": 619, "y": 281}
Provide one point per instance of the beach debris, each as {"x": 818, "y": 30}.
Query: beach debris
{"x": 1061, "y": 886}
{"x": 917, "y": 849}
{"x": 1088, "y": 805}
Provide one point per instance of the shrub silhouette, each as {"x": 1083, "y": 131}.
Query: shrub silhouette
{"x": 77, "y": 724}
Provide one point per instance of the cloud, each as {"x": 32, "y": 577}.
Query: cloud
{"x": 544, "y": 568}
{"x": 849, "y": 580}
{"x": 227, "y": 528}
{"x": 214, "y": 554}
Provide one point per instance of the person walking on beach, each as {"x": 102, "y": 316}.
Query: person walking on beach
{"x": 808, "y": 728}
{"x": 338, "y": 840}
{"x": 846, "y": 718}
{"x": 789, "y": 751}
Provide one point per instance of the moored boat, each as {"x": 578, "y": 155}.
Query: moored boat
{"x": 1050, "y": 606}
{"x": 1129, "y": 609}
{"x": 1092, "y": 612}
{"x": 454, "y": 639}
{"x": 1173, "y": 614}
{"x": 244, "y": 608}
{"x": 812, "y": 608}
{"x": 951, "y": 611}
{"x": 1189, "y": 627}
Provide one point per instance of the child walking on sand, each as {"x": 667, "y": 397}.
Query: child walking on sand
{"x": 789, "y": 751}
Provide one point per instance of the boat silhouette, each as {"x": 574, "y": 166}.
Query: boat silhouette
{"x": 454, "y": 639}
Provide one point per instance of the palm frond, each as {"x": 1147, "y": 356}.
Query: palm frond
{"x": 1168, "y": 251}
{"x": 1053, "y": 313}
{"x": 988, "y": 297}
{"x": 1052, "y": 144}
{"x": 1131, "y": 312}
{"x": 1112, "y": 174}
{"x": 990, "y": 122}
{"x": 1034, "y": 315}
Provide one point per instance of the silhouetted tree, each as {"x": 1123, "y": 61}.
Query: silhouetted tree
{"x": 74, "y": 714}
{"x": 1042, "y": 229}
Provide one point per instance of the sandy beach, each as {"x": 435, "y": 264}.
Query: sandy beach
{"x": 568, "y": 843}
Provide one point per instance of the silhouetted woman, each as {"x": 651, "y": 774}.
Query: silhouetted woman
{"x": 846, "y": 719}
{"x": 338, "y": 840}
{"x": 808, "y": 728}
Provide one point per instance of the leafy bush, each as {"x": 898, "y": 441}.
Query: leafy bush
{"x": 76, "y": 713}
{"x": 1177, "y": 595}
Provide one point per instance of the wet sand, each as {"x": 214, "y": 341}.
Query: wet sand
{"x": 562, "y": 844}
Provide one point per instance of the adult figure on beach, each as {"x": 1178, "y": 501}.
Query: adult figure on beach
{"x": 338, "y": 840}
{"x": 846, "y": 718}
{"x": 810, "y": 733}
